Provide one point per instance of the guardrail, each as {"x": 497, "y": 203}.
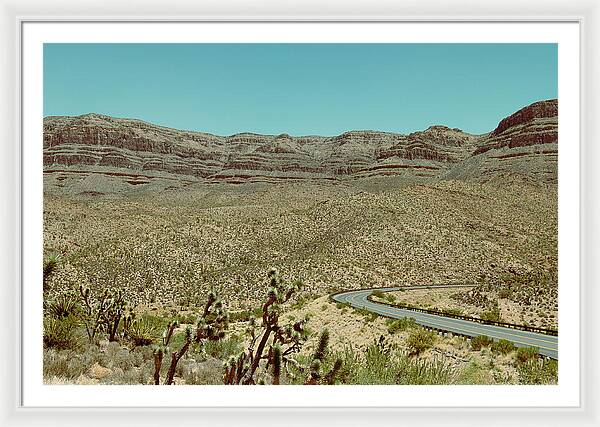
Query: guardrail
{"x": 468, "y": 318}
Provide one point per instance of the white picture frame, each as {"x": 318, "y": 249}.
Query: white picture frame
{"x": 15, "y": 14}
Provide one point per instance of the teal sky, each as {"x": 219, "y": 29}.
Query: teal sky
{"x": 300, "y": 89}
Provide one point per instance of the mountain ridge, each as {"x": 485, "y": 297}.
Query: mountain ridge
{"x": 79, "y": 147}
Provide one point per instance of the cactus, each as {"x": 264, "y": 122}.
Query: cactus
{"x": 276, "y": 363}
{"x": 211, "y": 325}
{"x": 276, "y": 343}
{"x": 103, "y": 313}
{"x": 176, "y": 356}
{"x": 158, "y": 356}
{"x": 315, "y": 375}
{"x": 322, "y": 345}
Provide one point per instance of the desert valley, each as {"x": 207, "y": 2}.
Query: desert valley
{"x": 205, "y": 243}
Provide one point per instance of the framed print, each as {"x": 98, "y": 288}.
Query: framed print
{"x": 241, "y": 218}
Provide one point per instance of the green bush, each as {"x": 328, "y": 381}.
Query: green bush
{"x": 369, "y": 316}
{"x": 481, "y": 341}
{"x": 63, "y": 305}
{"x": 492, "y": 315}
{"x": 378, "y": 294}
{"x": 420, "y": 340}
{"x": 384, "y": 365}
{"x": 142, "y": 332}
{"x": 61, "y": 333}
{"x": 503, "y": 346}
{"x": 244, "y": 315}
{"x": 400, "y": 325}
{"x": 223, "y": 349}
{"x": 186, "y": 319}
{"x": 342, "y": 305}
{"x": 421, "y": 372}
{"x": 452, "y": 311}
{"x": 538, "y": 372}
{"x": 525, "y": 354}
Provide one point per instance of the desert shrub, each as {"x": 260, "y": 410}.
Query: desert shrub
{"x": 208, "y": 372}
{"x": 369, "y": 316}
{"x": 481, "y": 341}
{"x": 503, "y": 346}
{"x": 62, "y": 364}
{"x": 378, "y": 294}
{"x": 504, "y": 293}
{"x": 186, "y": 319}
{"x": 223, "y": 349}
{"x": 421, "y": 372}
{"x": 420, "y": 340}
{"x": 122, "y": 358}
{"x": 400, "y": 325}
{"x": 452, "y": 311}
{"x": 61, "y": 333}
{"x": 91, "y": 354}
{"x": 376, "y": 368}
{"x": 386, "y": 364}
{"x": 475, "y": 372}
{"x": 538, "y": 372}
{"x": 342, "y": 305}
{"x": 492, "y": 315}
{"x": 525, "y": 354}
{"x": 142, "y": 332}
{"x": 63, "y": 305}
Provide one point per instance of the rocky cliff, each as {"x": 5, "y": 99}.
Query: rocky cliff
{"x": 525, "y": 144}
{"x": 97, "y": 153}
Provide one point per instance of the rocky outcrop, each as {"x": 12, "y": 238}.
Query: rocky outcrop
{"x": 138, "y": 154}
{"x": 524, "y": 144}
{"x": 533, "y": 125}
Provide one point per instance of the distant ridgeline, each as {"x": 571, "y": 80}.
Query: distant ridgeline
{"x": 104, "y": 154}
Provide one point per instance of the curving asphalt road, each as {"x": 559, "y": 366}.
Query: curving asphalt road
{"x": 547, "y": 344}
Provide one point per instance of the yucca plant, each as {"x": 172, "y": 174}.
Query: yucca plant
{"x": 64, "y": 305}
{"x": 139, "y": 331}
{"x": 50, "y": 265}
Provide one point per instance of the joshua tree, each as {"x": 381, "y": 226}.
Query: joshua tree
{"x": 211, "y": 326}
{"x": 49, "y": 266}
{"x": 104, "y": 313}
{"x": 316, "y": 376}
{"x": 273, "y": 344}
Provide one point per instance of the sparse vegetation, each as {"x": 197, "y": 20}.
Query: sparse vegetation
{"x": 165, "y": 252}
{"x": 400, "y": 325}
{"x": 525, "y": 354}
{"x": 61, "y": 333}
{"x": 540, "y": 371}
{"x": 481, "y": 341}
{"x": 420, "y": 340}
{"x": 503, "y": 346}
